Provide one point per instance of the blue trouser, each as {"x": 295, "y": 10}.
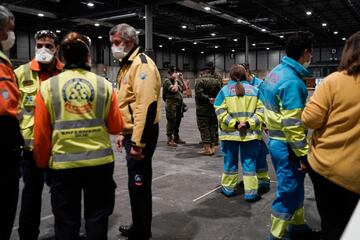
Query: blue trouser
{"x": 262, "y": 166}
{"x": 288, "y": 206}
{"x": 248, "y": 153}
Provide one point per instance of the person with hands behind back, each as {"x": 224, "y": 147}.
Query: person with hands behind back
{"x": 240, "y": 114}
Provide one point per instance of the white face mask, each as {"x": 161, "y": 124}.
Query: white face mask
{"x": 118, "y": 52}
{"x": 9, "y": 42}
{"x": 43, "y": 55}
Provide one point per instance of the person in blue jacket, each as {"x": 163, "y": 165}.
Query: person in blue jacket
{"x": 285, "y": 95}
{"x": 240, "y": 114}
{"x": 261, "y": 164}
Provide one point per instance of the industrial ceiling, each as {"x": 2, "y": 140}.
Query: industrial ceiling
{"x": 197, "y": 26}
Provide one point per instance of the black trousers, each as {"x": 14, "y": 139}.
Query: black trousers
{"x": 9, "y": 188}
{"x": 140, "y": 180}
{"x": 30, "y": 213}
{"x": 8, "y": 203}
{"x": 98, "y": 187}
{"x": 335, "y": 205}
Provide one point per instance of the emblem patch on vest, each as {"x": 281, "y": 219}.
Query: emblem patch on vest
{"x": 5, "y": 94}
{"x": 78, "y": 95}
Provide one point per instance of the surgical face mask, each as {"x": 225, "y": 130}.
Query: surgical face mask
{"x": 307, "y": 64}
{"x": 118, "y": 52}
{"x": 43, "y": 55}
{"x": 9, "y": 42}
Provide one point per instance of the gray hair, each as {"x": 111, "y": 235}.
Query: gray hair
{"x": 127, "y": 32}
{"x": 5, "y": 15}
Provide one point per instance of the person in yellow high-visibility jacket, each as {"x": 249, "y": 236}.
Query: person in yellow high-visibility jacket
{"x": 30, "y": 76}
{"x": 75, "y": 112}
{"x": 240, "y": 114}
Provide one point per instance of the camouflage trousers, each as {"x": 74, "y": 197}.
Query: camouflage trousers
{"x": 208, "y": 127}
{"x": 174, "y": 113}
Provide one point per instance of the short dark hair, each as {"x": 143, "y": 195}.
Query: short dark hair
{"x": 350, "y": 58}
{"x": 46, "y": 33}
{"x": 297, "y": 43}
{"x": 172, "y": 69}
{"x": 75, "y": 48}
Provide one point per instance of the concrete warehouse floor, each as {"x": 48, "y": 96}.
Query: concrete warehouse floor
{"x": 187, "y": 203}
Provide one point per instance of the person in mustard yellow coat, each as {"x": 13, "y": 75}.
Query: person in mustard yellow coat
{"x": 334, "y": 163}
{"x": 139, "y": 102}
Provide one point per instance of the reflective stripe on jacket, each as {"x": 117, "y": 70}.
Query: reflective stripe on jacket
{"x": 29, "y": 84}
{"x": 78, "y": 102}
{"x": 285, "y": 95}
{"x": 231, "y": 109}
{"x": 29, "y": 80}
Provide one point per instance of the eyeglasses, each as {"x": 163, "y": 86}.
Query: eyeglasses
{"x": 46, "y": 33}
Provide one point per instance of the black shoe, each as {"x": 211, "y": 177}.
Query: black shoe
{"x": 125, "y": 230}
{"x": 310, "y": 235}
{"x": 252, "y": 200}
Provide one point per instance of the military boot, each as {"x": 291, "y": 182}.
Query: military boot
{"x": 179, "y": 141}
{"x": 206, "y": 150}
{"x": 170, "y": 142}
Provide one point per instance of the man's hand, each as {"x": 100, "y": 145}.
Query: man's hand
{"x": 303, "y": 167}
{"x": 120, "y": 142}
{"x": 136, "y": 153}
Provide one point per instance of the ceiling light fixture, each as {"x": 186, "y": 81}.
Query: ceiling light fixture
{"x": 281, "y": 36}
{"x": 216, "y": 46}
{"x": 235, "y": 39}
{"x": 336, "y": 32}
{"x": 90, "y": 4}
{"x": 183, "y": 26}
{"x": 144, "y": 17}
{"x": 160, "y": 45}
{"x": 267, "y": 48}
{"x": 137, "y": 32}
{"x": 97, "y": 24}
{"x": 254, "y": 44}
{"x": 207, "y": 8}
{"x": 263, "y": 30}
{"x": 308, "y": 13}
{"x": 343, "y": 39}
{"x": 213, "y": 34}
{"x": 233, "y": 50}
{"x": 58, "y": 31}
{"x": 194, "y": 43}
{"x": 100, "y": 37}
{"x": 202, "y": 52}
{"x": 40, "y": 14}
{"x": 183, "y": 49}
{"x": 324, "y": 24}
{"x": 170, "y": 38}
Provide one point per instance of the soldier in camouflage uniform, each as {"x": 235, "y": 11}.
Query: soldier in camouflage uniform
{"x": 172, "y": 95}
{"x": 206, "y": 89}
